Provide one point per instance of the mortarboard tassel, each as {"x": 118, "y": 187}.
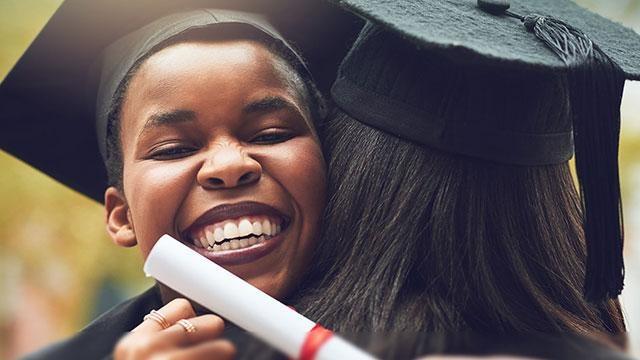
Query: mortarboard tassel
{"x": 595, "y": 85}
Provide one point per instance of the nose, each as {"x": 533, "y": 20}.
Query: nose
{"x": 228, "y": 167}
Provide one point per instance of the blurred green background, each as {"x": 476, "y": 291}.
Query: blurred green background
{"x": 58, "y": 268}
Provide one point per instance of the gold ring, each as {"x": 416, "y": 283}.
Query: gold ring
{"x": 187, "y": 325}
{"x": 157, "y": 317}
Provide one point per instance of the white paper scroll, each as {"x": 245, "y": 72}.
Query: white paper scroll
{"x": 184, "y": 270}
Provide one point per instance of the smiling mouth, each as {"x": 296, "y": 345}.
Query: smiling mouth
{"x": 230, "y": 228}
{"x": 235, "y": 234}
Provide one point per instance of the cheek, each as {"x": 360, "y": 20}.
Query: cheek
{"x": 302, "y": 172}
{"x": 155, "y": 191}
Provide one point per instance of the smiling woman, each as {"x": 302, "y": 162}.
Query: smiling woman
{"x": 212, "y": 141}
{"x": 206, "y": 123}
{"x": 212, "y": 170}
{"x": 450, "y": 153}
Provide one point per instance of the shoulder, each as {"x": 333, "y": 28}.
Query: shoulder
{"x": 97, "y": 339}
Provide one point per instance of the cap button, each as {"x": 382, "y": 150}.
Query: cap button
{"x": 495, "y": 7}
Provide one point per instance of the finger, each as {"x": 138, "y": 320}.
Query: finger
{"x": 216, "y": 349}
{"x": 207, "y": 327}
{"x": 140, "y": 345}
{"x": 175, "y": 310}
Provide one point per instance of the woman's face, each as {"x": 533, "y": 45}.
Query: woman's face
{"x": 219, "y": 151}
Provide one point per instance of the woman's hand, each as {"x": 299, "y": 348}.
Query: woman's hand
{"x": 151, "y": 340}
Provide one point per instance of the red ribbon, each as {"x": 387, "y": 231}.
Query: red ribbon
{"x": 316, "y": 337}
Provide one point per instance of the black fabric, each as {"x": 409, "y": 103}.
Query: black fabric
{"x": 97, "y": 340}
{"x": 596, "y": 83}
{"x": 500, "y": 146}
{"x": 517, "y": 117}
{"x": 459, "y": 29}
{"x": 480, "y": 58}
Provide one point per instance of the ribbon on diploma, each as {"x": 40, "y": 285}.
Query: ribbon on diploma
{"x": 179, "y": 267}
{"x": 316, "y": 337}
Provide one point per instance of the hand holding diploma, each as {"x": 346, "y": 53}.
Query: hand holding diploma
{"x": 174, "y": 264}
{"x": 175, "y": 332}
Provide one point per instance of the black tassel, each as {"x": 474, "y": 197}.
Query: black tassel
{"x": 595, "y": 85}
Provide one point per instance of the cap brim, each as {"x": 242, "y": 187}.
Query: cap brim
{"x": 48, "y": 99}
{"x": 460, "y": 30}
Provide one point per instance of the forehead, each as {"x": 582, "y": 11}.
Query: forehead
{"x": 211, "y": 62}
{"x": 216, "y": 78}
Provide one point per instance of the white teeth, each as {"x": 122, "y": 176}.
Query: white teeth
{"x": 202, "y": 241}
{"x": 218, "y": 234}
{"x": 244, "y": 227}
{"x": 225, "y": 237}
{"x": 237, "y": 244}
{"x": 199, "y": 243}
{"x": 257, "y": 228}
{"x": 230, "y": 230}
{"x": 266, "y": 227}
{"x": 209, "y": 237}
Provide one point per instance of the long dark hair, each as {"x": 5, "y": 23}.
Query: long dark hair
{"x": 424, "y": 241}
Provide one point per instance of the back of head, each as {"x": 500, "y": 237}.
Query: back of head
{"x": 452, "y": 205}
{"x": 444, "y": 242}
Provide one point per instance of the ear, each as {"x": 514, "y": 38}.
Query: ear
{"x": 119, "y": 225}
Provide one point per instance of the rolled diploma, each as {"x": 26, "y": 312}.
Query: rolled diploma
{"x": 207, "y": 283}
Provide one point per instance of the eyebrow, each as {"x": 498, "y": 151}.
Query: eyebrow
{"x": 167, "y": 118}
{"x": 268, "y": 104}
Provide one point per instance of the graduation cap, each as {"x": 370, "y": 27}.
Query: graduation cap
{"x": 504, "y": 82}
{"x": 48, "y": 100}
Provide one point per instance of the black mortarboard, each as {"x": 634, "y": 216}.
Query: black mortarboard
{"x": 48, "y": 100}
{"x": 507, "y": 83}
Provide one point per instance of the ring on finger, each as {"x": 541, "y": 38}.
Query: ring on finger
{"x": 158, "y": 318}
{"x": 187, "y": 325}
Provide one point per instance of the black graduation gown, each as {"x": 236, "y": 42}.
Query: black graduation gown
{"x": 96, "y": 340}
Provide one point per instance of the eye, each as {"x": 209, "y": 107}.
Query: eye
{"x": 272, "y": 136}
{"x": 170, "y": 152}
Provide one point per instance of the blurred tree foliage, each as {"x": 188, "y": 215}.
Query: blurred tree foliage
{"x": 54, "y": 238}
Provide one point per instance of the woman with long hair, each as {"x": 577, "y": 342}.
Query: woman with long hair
{"x": 452, "y": 209}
